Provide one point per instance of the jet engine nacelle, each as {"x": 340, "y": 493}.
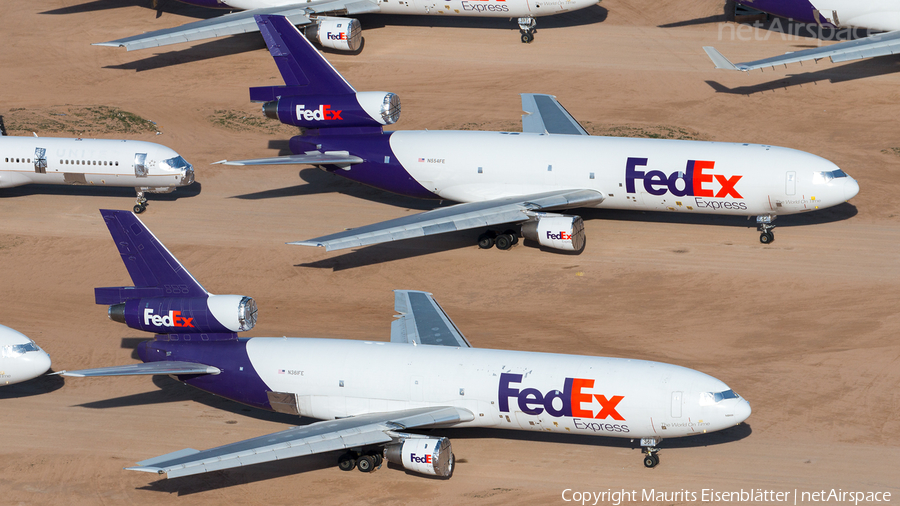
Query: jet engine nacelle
{"x": 556, "y": 231}
{"x": 363, "y": 109}
{"x": 187, "y": 315}
{"x": 343, "y": 34}
{"x": 423, "y": 455}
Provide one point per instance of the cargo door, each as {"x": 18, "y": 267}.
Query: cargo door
{"x": 140, "y": 164}
{"x": 40, "y": 160}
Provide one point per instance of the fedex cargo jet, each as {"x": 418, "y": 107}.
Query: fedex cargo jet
{"x": 146, "y": 166}
{"x": 20, "y": 358}
{"x": 329, "y": 22}
{"x": 830, "y": 15}
{"x": 516, "y": 181}
{"x": 371, "y": 393}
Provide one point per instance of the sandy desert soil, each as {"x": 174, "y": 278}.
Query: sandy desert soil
{"x": 805, "y": 328}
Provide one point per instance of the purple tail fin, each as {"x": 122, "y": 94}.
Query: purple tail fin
{"x": 304, "y": 70}
{"x": 153, "y": 269}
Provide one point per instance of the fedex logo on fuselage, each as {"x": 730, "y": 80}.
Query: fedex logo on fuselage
{"x": 173, "y": 319}
{"x": 569, "y": 402}
{"x": 324, "y": 112}
{"x": 695, "y": 181}
{"x": 424, "y": 459}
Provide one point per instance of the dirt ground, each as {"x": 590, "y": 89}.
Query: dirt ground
{"x": 805, "y": 328}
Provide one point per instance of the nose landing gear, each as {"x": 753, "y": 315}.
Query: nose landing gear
{"x": 140, "y": 204}
{"x": 764, "y": 225}
{"x": 527, "y": 27}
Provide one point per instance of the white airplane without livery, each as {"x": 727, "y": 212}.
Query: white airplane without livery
{"x": 20, "y": 358}
{"x": 327, "y": 21}
{"x": 877, "y": 15}
{"x": 370, "y": 393}
{"x": 514, "y": 179}
{"x": 146, "y": 166}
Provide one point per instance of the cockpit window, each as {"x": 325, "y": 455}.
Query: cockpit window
{"x": 176, "y": 163}
{"x": 824, "y": 177}
{"x": 15, "y": 350}
{"x": 707, "y": 398}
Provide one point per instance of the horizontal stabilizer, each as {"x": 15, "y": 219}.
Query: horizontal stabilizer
{"x": 149, "y": 368}
{"x": 423, "y": 321}
{"x": 459, "y": 217}
{"x": 311, "y": 158}
{"x": 876, "y": 45}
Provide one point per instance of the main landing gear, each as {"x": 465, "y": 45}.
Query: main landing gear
{"x": 527, "y": 27}
{"x": 764, "y": 225}
{"x": 366, "y": 462}
{"x": 140, "y": 204}
{"x": 649, "y": 449}
{"x": 503, "y": 241}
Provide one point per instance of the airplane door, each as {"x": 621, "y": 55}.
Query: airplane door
{"x": 790, "y": 183}
{"x": 40, "y": 160}
{"x": 677, "y": 398}
{"x": 140, "y": 167}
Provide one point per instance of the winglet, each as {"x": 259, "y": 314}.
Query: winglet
{"x": 153, "y": 269}
{"x": 719, "y": 60}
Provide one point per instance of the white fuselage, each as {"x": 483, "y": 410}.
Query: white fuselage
{"x": 872, "y": 14}
{"x": 20, "y": 358}
{"x": 481, "y": 8}
{"x": 503, "y": 389}
{"x": 727, "y": 178}
{"x": 98, "y": 162}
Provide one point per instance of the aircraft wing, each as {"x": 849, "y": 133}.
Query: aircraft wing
{"x": 319, "y": 437}
{"x": 423, "y": 321}
{"x": 545, "y": 115}
{"x": 876, "y": 45}
{"x": 459, "y": 217}
{"x": 239, "y": 22}
{"x": 147, "y": 368}
{"x": 339, "y": 158}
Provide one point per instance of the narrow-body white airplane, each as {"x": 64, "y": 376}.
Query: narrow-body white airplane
{"x": 516, "y": 179}
{"x": 327, "y": 21}
{"x": 146, "y": 166}
{"x": 829, "y": 15}
{"x": 370, "y": 393}
{"x": 20, "y": 358}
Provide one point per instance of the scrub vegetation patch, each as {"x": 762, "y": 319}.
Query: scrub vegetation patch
{"x": 241, "y": 121}
{"x": 76, "y": 120}
{"x": 891, "y": 151}
{"x": 599, "y": 129}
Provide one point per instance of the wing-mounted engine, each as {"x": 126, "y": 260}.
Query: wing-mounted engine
{"x": 364, "y": 109}
{"x": 556, "y": 231}
{"x": 342, "y": 34}
{"x": 215, "y": 314}
{"x": 423, "y": 455}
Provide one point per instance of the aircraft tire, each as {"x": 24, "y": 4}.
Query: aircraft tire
{"x": 347, "y": 461}
{"x": 650, "y": 461}
{"x": 486, "y": 240}
{"x": 766, "y": 237}
{"x": 515, "y": 237}
{"x": 503, "y": 242}
{"x": 366, "y": 463}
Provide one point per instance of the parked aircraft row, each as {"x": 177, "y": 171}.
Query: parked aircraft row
{"x": 429, "y": 376}
{"x": 145, "y": 166}
{"x": 518, "y": 179}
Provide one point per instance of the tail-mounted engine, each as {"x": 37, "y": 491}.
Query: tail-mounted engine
{"x": 423, "y": 455}
{"x": 364, "y": 109}
{"x": 556, "y": 231}
{"x": 215, "y": 314}
{"x": 342, "y": 34}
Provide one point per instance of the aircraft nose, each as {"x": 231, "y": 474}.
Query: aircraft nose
{"x": 851, "y": 188}
{"x": 40, "y": 363}
{"x": 742, "y": 411}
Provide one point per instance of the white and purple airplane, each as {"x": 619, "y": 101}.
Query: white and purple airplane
{"x": 516, "y": 180}
{"x": 146, "y": 166}
{"x": 327, "y": 21}
{"x": 20, "y": 358}
{"x": 369, "y": 394}
{"x": 876, "y": 15}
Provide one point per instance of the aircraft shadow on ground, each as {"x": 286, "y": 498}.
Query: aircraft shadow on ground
{"x": 872, "y": 67}
{"x": 223, "y": 46}
{"x": 99, "y": 191}
{"x": 588, "y": 16}
{"x": 164, "y": 6}
{"x": 270, "y": 470}
{"x": 38, "y": 386}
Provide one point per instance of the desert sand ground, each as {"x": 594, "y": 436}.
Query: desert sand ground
{"x": 805, "y": 328}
